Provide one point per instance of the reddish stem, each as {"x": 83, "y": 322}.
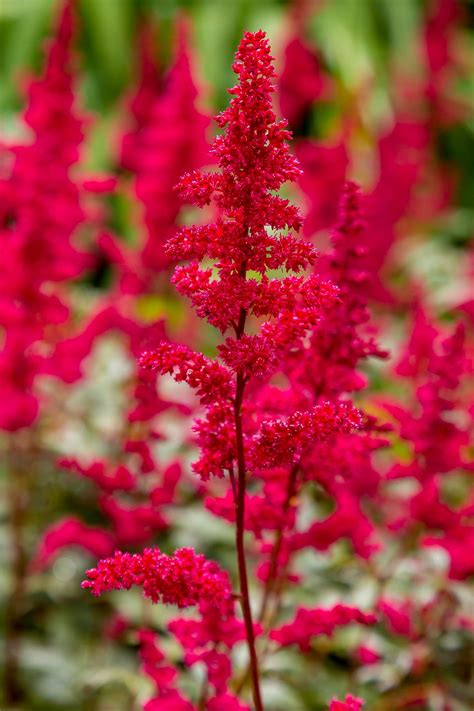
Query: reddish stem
{"x": 272, "y": 573}
{"x": 239, "y": 540}
{"x": 240, "y": 516}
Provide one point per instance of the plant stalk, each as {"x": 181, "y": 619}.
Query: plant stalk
{"x": 239, "y": 540}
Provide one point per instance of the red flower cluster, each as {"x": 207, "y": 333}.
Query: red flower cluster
{"x": 302, "y": 82}
{"x": 182, "y": 579}
{"x": 168, "y": 139}
{"x": 312, "y": 623}
{"x": 39, "y": 253}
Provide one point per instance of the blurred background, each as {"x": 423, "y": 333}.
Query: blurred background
{"x": 383, "y": 92}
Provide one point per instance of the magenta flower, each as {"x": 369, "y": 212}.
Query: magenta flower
{"x": 182, "y": 579}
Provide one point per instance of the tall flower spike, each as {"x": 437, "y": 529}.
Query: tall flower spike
{"x": 38, "y": 246}
{"x": 172, "y": 141}
{"x": 252, "y": 232}
{"x": 302, "y": 82}
{"x": 142, "y": 102}
{"x": 345, "y": 340}
{"x": 51, "y": 97}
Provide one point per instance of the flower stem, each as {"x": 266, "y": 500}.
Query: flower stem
{"x": 239, "y": 539}
{"x": 240, "y": 518}
{"x": 273, "y": 571}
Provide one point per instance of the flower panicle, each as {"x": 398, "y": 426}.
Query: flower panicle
{"x": 183, "y": 578}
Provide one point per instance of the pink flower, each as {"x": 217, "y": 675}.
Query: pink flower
{"x": 119, "y": 480}
{"x": 210, "y": 379}
{"x": 226, "y": 702}
{"x": 367, "y": 655}
{"x": 162, "y": 674}
{"x": 351, "y": 703}
{"x": 347, "y": 521}
{"x": 324, "y": 172}
{"x": 169, "y": 139}
{"x": 38, "y": 234}
{"x": 72, "y": 532}
{"x": 285, "y": 441}
{"x": 309, "y": 623}
{"x": 142, "y": 102}
{"x": 183, "y": 578}
{"x": 302, "y": 82}
{"x": 399, "y": 616}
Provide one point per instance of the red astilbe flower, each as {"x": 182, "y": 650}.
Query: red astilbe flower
{"x": 210, "y": 639}
{"x": 183, "y": 578}
{"x": 51, "y": 98}
{"x": 399, "y": 617}
{"x": 242, "y": 188}
{"x": 170, "y": 141}
{"x": 261, "y": 317}
{"x": 442, "y": 20}
{"x": 39, "y": 252}
{"x": 321, "y": 370}
{"x": 437, "y": 425}
{"x": 402, "y": 156}
{"x": 252, "y": 232}
{"x": 254, "y": 161}
{"x": 345, "y": 339}
{"x": 150, "y": 84}
{"x": 325, "y": 166}
{"x": 347, "y": 521}
{"x": 309, "y": 623}
{"x": 302, "y": 82}
{"x": 282, "y": 442}
{"x": 163, "y": 675}
{"x": 351, "y": 703}
{"x": 438, "y": 365}
{"x": 209, "y": 378}
{"x": 72, "y": 532}
{"x": 120, "y": 479}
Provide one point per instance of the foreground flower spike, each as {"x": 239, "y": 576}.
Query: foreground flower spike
{"x": 254, "y": 161}
{"x": 261, "y": 317}
{"x": 182, "y": 579}
{"x": 252, "y": 232}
